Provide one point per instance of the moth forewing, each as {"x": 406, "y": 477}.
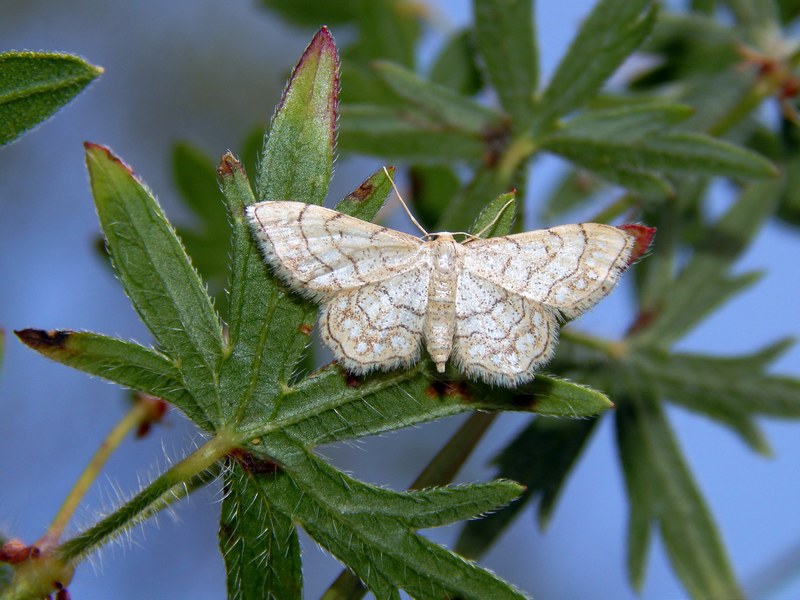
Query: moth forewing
{"x": 492, "y": 305}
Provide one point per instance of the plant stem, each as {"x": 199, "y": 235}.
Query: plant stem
{"x": 164, "y": 490}
{"x": 440, "y": 471}
{"x": 132, "y": 419}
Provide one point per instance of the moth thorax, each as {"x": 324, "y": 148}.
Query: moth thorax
{"x": 440, "y": 320}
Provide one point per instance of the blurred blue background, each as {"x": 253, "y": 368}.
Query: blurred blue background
{"x": 208, "y": 72}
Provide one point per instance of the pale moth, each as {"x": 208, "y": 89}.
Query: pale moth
{"x": 492, "y": 305}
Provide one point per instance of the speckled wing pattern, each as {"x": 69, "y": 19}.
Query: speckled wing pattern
{"x": 513, "y": 291}
{"x": 373, "y": 284}
{"x": 372, "y": 281}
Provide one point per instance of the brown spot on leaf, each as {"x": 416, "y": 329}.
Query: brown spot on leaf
{"x": 439, "y": 388}
{"x": 305, "y": 329}
{"x": 228, "y": 165}
{"x": 252, "y": 463}
{"x": 39, "y": 339}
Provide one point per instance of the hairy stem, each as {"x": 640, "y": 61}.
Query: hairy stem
{"x": 135, "y": 416}
{"x": 171, "y": 485}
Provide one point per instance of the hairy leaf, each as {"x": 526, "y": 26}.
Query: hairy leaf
{"x": 259, "y": 544}
{"x": 157, "y": 276}
{"x": 34, "y": 85}
{"x": 125, "y": 363}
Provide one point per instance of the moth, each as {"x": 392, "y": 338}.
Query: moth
{"x": 493, "y": 306}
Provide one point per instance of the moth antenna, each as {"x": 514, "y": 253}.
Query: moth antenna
{"x": 405, "y": 207}
{"x": 497, "y": 218}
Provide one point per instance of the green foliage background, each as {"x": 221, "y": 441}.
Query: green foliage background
{"x": 661, "y": 137}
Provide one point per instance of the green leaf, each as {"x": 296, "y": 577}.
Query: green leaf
{"x": 399, "y": 134}
{"x": 496, "y": 218}
{"x": 506, "y": 39}
{"x": 268, "y": 324}
{"x": 329, "y": 406}
{"x": 298, "y": 150}
{"x": 671, "y": 152}
{"x": 662, "y": 491}
{"x": 156, "y": 274}
{"x": 704, "y": 284}
{"x": 717, "y": 385}
{"x": 365, "y": 202}
{"x": 440, "y": 104}
{"x": 34, "y": 85}
{"x": 613, "y": 30}
{"x": 455, "y": 67}
{"x": 372, "y": 530}
{"x": 539, "y": 458}
{"x": 389, "y": 30}
{"x": 125, "y": 363}
{"x": 259, "y": 544}
{"x": 626, "y": 123}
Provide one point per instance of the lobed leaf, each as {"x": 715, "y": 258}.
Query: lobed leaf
{"x": 437, "y": 102}
{"x": 670, "y": 152}
{"x": 506, "y": 39}
{"x": 126, "y": 363}
{"x": 268, "y": 324}
{"x": 540, "y": 458}
{"x": 372, "y": 530}
{"x": 704, "y": 284}
{"x": 661, "y": 490}
{"x": 259, "y": 544}
{"x": 402, "y": 134}
{"x": 34, "y": 85}
{"x": 613, "y": 30}
{"x": 297, "y": 158}
{"x": 157, "y": 276}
